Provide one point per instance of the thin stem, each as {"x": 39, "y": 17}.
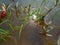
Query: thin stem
{"x": 13, "y": 39}
{"x": 4, "y": 22}
{"x": 11, "y": 26}
{"x": 20, "y": 31}
{"x": 51, "y": 9}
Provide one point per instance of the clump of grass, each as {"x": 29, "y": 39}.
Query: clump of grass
{"x": 25, "y": 20}
{"x": 40, "y": 18}
{"x": 4, "y": 34}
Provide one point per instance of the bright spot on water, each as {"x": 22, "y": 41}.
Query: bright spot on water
{"x": 32, "y": 20}
{"x": 34, "y": 17}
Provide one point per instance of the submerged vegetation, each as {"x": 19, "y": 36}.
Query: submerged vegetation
{"x": 37, "y": 15}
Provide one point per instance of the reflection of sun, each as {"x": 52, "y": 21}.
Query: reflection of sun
{"x": 32, "y": 20}
{"x": 34, "y": 17}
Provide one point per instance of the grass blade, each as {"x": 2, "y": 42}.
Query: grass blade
{"x": 11, "y": 26}
{"x": 21, "y": 27}
{"x": 4, "y": 22}
{"x": 56, "y": 2}
{"x": 9, "y": 15}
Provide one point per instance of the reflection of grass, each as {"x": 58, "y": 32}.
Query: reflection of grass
{"x": 58, "y": 41}
{"x": 4, "y": 34}
{"x": 8, "y": 18}
{"x": 40, "y": 18}
{"x": 39, "y": 13}
{"x": 25, "y": 20}
{"x": 3, "y": 22}
{"x": 56, "y": 14}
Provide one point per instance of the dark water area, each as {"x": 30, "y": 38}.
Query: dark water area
{"x": 31, "y": 33}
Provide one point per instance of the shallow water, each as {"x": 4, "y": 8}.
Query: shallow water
{"x": 30, "y": 34}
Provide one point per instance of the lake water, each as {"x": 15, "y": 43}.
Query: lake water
{"x": 30, "y": 34}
